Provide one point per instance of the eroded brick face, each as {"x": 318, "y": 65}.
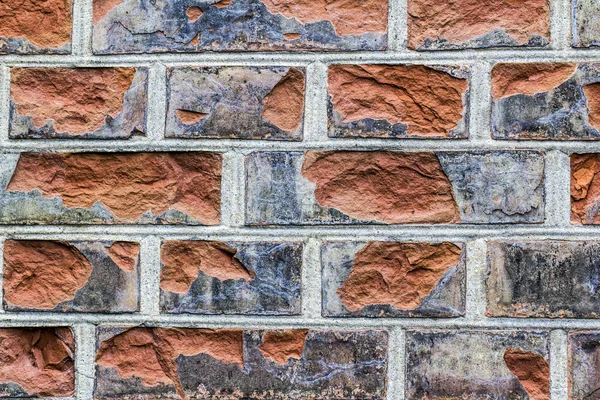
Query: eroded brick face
{"x": 585, "y": 25}
{"x": 91, "y": 103}
{"x": 159, "y": 362}
{"x": 75, "y": 276}
{"x": 388, "y": 279}
{"x": 35, "y": 27}
{"x": 552, "y": 101}
{"x": 543, "y": 279}
{"x": 133, "y": 26}
{"x": 459, "y": 24}
{"x": 108, "y": 188}
{"x": 477, "y": 364}
{"x": 203, "y": 277}
{"x": 394, "y": 187}
{"x": 396, "y": 101}
{"x": 37, "y": 362}
{"x": 584, "y": 375}
{"x": 236, "y": 102}
{"x": 585, "y": 188}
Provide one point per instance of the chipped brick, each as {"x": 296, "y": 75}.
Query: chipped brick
{"x": 236, "y": 102}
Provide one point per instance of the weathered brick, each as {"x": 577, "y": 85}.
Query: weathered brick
{"x": 201, "y": 277}
{"x": 236, "y": 102}
{"x": 389, "y": 279}
{"x": 551, "y": 101}
{"x": 459, "y": 24}
{"x": 585, "y": 189}
{"x": 75, "y": 276}
{"x": 35, "y": 27}
{"x": 110, "y": 188}
{"x": 584, "y": 374}
{"x": 394, "y": 188}
{"x": 83, "y": 103}
{"x": 493, "y": 365}
{"x": 584, "y": 23}
{"x": 37, "y": 362}
{"x": 398, "y": 101}
{"x": 134, "y": 26}
{"x": 233, "y": 364}
{"x": 543, "y": 279}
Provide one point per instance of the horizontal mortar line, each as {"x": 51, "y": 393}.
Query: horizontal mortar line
{"x": 273, "y": 322}
{"x": 345, "y": 232}
{"x": 246, "y": 146}
{"x": 296, "y": 58}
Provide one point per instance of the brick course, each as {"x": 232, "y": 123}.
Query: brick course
{"x": 269, "y": 199}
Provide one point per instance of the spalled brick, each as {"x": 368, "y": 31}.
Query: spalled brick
{"x": 398, "y": 101}
{"x": 584, "y": 23}
{"x": 37, "y": 362}
{"x": 236, "y": 364}
{"x": 236, "y": 102}
{"x": 493, "y": 365}
{"x": 584, "y": 374}
{"x": 111, "y": 188}
{"x": 134, "y": 26}
{"x": 203, "y": 277}
{"x": 75, "y": 276}
{"x": 460, "y": 24}
{"x": 394, "y": 188}
{"x": 551, "y": 101}
{"x": 585, "y": 189}
{"x": 83, "y": 103}
{"x": 388, "y": 279}
{"x": 35, "y": 27}
{"x": 543, "y": 279}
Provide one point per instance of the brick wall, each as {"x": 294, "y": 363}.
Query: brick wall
{"x": 300, "y": 199}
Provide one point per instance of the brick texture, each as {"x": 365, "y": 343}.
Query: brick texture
{"x": 300, "y": 199}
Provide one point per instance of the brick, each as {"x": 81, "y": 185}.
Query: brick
{"x": 227, "y": 364}
{"x": 394, "y": 188}
{"x": 546, "y": 101}
{"x": 35, "y": 27}
{"x": 493, "y": 365}
{"x": 584, "y": 375}
{"x": 83, "y": 103}
{"x": 238, "y": 25}
{"x": 236, "y": 102}
{"x": 398, "y": 101}
{"x": 110, "y": 188}
{"x": 585, "y": 189}
{"x": 552, "y": 279}
{"x": 389, "y": 279}
{"x": 71, "y": 276}
{"x": 584, "y": 23}
{"x": 460, "y": 24}
{"x": 260, "y": 278}
{"x": 37, "y": 362}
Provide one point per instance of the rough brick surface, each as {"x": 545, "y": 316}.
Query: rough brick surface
{"x": 585, "y": 189}
{"x": 231, "y": 278}
{"x": 388, "y": 279}
{"x": 477, "y": 364}
{"x": 134, "y": 26}
{"x": 459, "y": 24}
{"x": 585, "y": 26}
{"x": 233, "y": 364}
{"x": 552, "y": 101}
{"x": 75, "y": 276}
{"x": 35, "y": 27}
{"x": 394, "y": 187}
{"x": 543, "y": 279}
{"x": 108, "y": 188}
{"x": 94, "y": 103}
{"x": 584, "y": 375}
{"x": 37, "y": 362}
{"x": 398, "y": 101}
{"x": 236, "y": 102}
